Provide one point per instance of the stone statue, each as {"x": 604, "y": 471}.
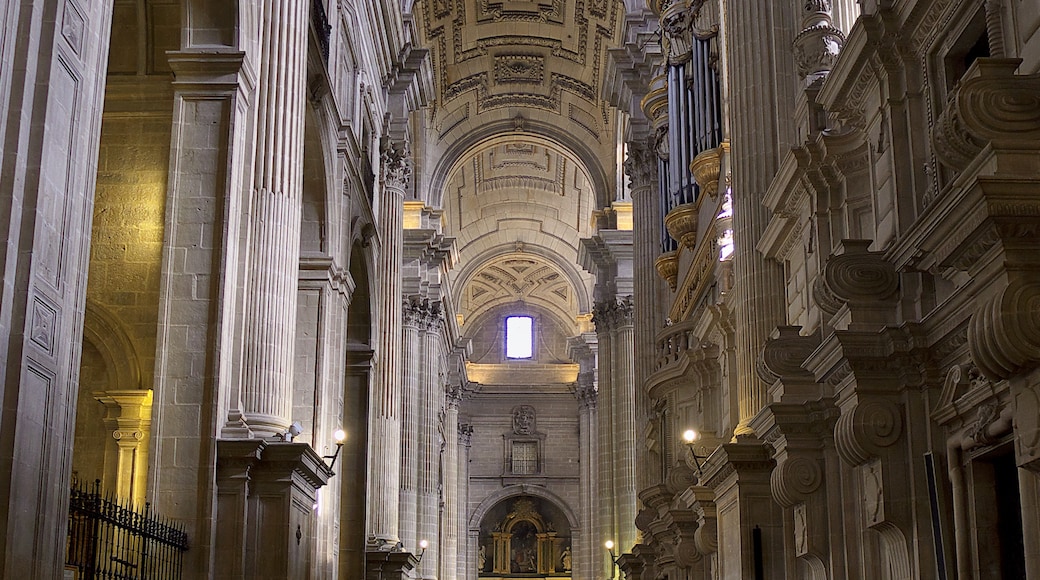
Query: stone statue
{"x": 566, "y": 558}
{"x": 481, "y": 558}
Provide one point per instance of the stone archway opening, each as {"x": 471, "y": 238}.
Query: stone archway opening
{"x": 525, "y": 536}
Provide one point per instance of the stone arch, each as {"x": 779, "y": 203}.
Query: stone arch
{"x": 106, "y": 334}
{"x": 516, "y": 491}
{"x": 549, "y": 134}
{"x": 476, "y": 263}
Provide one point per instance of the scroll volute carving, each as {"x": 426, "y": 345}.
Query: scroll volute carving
{"x": 707, "y": 534}
{"x": 784, "y": 352}
{"x": 795, "y": 479}
{"x": 991, "y": 105}
{"x": 864, "y": 431}
{"x": 679, "y": 478}
{"x": 1004, "y": 333}
{"x": 862, "y": 280}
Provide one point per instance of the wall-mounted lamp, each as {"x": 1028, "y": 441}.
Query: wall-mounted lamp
{"x": 609, "y": 545}
{"x": 691, "y": 437}
{"x": 295, "y": 429}
{"x": 423, "y": 544}
{"x": 340, "y": 438}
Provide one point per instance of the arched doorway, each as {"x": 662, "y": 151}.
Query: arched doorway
{"x": 525, "y": 536}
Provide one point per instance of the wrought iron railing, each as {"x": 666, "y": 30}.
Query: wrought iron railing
{"x": 111, "y": 539}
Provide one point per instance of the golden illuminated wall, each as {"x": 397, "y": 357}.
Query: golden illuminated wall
{"x": 123, "y": 277}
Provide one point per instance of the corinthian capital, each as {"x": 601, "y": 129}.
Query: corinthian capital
{"x": 396, "y": 163}
{"x": 641, "y": 164}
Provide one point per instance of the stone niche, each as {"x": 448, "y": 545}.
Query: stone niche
{"x": 524, "y": 537}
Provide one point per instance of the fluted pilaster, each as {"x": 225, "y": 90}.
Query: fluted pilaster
{"x": 467, "y": 564}
{"x": 585, "y": 552}
{"x": 623, "y": 386}
{"x": 450, "y": 548}
{"x": 617, "y": 435}
{"x": 385, "y": 449}
{"x": 412, "y": 319}
{"x": 641, "y": 168}
{"x": 759, "y": 36}
{"x": 431, "y": 401}
{"x": 606, "y": 522}
{"x": 274, "y": 222}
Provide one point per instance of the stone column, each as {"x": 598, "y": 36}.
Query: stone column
{"x": 641, "y": 168}
{"x": 385, "y": 448}
{"x": 585, "y": 550}
{"x": 624, "y": 424}
{"x": 467, "y": 564}
{"x": 128, "y": 415}
{"x": 273, "y": 226}
{"x": 760, "y": 34}
{"x": 204, "y": 201}
{"x": 431, "y": 401}
{"x": 319, "y": 392}
{"x": 606, "y": 524}
{"x": 414, "y": 317}
{"x": 52, "y": 95}
{"x": 451, "y": 518}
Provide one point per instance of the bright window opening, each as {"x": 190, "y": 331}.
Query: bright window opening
{"x": 519, "y": 337}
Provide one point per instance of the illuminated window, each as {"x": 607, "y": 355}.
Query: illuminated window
{"x": 519, "y": 337}
{"x": 525, "y": 457}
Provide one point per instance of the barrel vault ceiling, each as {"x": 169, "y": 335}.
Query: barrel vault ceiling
{"x": 523, "y": 149}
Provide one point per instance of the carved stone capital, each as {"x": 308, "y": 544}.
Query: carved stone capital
{"x": 395, "y": 164}
{"x": 612, "y": 314}
{"x": 641, "y": 165}
{"x": 991, "y": 105}
{"x": 816, "y": 49}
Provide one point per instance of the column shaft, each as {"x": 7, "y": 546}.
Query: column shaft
{"x": 450, "y": 548}
{"x": 467, "y": 564}
{"x": 385, "y": 442}
{"x": 431, "y": 401}
{"x": 624, "y": 423}
{"x": 410, "y": 361}
{"x": 274, "y": 223}
{"x": 762, "y": 119}
{"x": 585, "y": 548}
{"x": 606, "y": 525}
